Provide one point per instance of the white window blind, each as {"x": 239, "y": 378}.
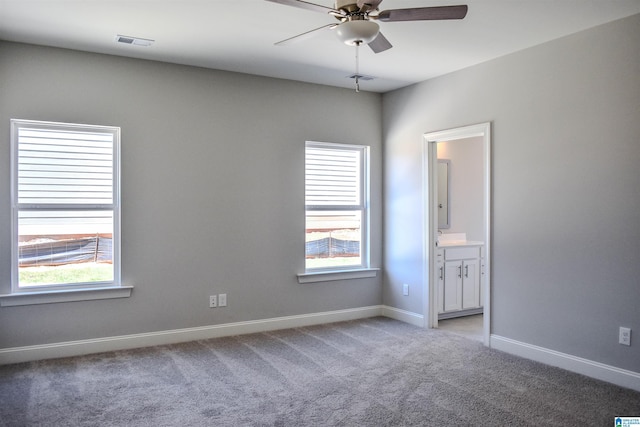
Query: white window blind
{"x": 64, "y": 167}
{"x": 332, "y": 177}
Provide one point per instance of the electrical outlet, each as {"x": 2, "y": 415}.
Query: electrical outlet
{"x": 624, "y": 337}
{"x": 405, "y": 289}
{"x": 213, "y": 301}
{"x": 222, "y": 300}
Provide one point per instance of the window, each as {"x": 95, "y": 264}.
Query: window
{"x": 336, "y": 200}
{"x": 65, "y": 207}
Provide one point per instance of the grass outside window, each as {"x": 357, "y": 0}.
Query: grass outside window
{"x": 88, "y": 272}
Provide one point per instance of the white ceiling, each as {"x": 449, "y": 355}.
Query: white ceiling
{"x": 239, "y": 35}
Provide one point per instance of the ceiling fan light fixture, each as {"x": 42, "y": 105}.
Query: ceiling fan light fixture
{"x": 357, "y": 32}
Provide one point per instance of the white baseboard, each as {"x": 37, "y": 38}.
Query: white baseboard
{"x": 123, "y": 342}
{"x": 618, "y": 376}
{"x": 403, "y": 316}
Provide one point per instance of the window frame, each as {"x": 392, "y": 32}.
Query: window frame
{"x": 351, "y": 271}
{"x": 68, "y": 291}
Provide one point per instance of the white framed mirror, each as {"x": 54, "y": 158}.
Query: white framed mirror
{"x": 444, "y": 193}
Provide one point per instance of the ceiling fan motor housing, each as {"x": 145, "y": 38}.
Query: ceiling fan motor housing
{"x": 347, "y": 5}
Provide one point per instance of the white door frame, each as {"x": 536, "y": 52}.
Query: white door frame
{"x": 430, "y": 200}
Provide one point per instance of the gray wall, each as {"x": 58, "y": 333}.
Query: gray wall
{"x": 212, "y": 189}
{"x": 566, "y": 188}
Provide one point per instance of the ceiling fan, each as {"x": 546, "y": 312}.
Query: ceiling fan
{"x": 357, "y": 18}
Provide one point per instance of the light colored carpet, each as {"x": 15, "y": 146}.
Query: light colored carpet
{"x": 373, "y": 372}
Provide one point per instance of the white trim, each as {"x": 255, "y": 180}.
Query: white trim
{"x": 429, "y": 203}
{"x": 429, "y": 164}
{"x": 65, "y": 295}
{"x": 123, "y": 342}
{"x": 327, "y": 276}
{"x": 590, "y": 368}
{"x": 414, "y": 319}
{"x": 458, "y": 133}
{"x": 114, "y": 207}
{"x": 364, "y": 205}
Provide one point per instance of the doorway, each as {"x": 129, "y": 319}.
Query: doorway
{"x": 480, "y": 134}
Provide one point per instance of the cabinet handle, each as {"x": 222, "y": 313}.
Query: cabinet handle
{"x": 466, "y": 271}
{"x": 459, "y": 271}
{"x": 441, "y": 273}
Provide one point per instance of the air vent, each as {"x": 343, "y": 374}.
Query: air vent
{"x": 360, "y": 77}
{"x": 137, "y": 41}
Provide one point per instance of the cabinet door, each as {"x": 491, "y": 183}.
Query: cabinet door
{"x": 452, "y": 285}
{"x": 470, "y": 283}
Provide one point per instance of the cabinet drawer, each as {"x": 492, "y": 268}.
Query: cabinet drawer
{"x": 462, "y": 253}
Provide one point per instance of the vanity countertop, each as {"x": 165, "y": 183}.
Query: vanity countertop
{"x": 458, "y": 243}
{"x": 452, "y": 240}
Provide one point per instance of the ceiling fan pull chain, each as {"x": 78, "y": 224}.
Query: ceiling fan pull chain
{"x": 357, "y": 66}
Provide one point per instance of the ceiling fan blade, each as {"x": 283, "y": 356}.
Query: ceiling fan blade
{"x": 423, "y": 13}
{"x": 309, "y": 6}
{"x": 380, "y": 44}
{"x": 368, "y": 5}
{"x": 304, "y": 36}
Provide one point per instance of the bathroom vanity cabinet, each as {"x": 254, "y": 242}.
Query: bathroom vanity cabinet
{"x": 459, "y": 269}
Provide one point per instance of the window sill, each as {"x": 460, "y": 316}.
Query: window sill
{"x": 51, "y": 297}
{"x": 327, "y": 276}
